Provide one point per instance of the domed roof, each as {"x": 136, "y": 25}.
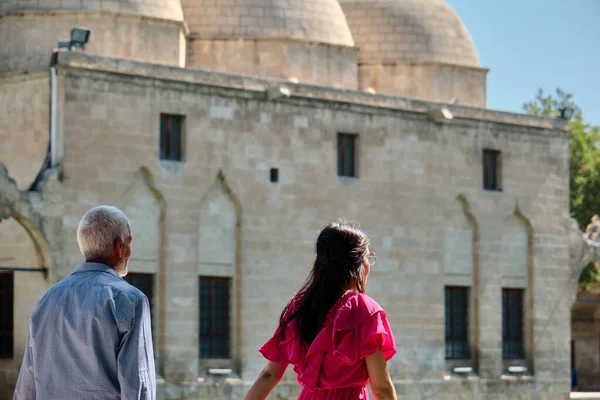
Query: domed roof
{"x": 409, "y": 31}
{"x": 164, "y": 9}
{"x": 310, "y": 20}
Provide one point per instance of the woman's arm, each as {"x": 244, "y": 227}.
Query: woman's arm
{"x": 379, "y": 377}
{"x": 266, "y": 381}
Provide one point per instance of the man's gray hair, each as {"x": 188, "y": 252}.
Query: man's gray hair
{"x": 98, "y": 230}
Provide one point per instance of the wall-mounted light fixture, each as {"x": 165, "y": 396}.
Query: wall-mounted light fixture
{"x": 566, "y": 113}
{"x": 78, "y": 40}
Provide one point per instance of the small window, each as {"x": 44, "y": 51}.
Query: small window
{"x": 214, "y": 317}
{"x": 144, "y": 282}
{"x": 457, "y": 322}
{"x": 6, "y": 314}
{"x": 512, "y": 324}
{"x": 346, "y": 145}
{"x": 491, "y": 170}
{"x": 274, "y": 175}
{"x": 171, "y": 127}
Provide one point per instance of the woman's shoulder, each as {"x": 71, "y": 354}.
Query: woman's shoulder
{"x": 355, "y": 309}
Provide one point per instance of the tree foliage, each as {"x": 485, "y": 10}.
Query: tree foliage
{"x": 584, "y": 163}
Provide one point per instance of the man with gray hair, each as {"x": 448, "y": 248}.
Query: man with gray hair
{"x": 89, "y": 335}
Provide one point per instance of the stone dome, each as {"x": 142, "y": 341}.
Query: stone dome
{"x": 163, "y": 9}
{"x": 320, "y": 21}
{"x": 400, "y": 31}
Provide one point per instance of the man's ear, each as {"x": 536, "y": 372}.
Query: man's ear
{"x": 119, "y": 247}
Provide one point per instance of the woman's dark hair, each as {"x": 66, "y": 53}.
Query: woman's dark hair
{"x": 340, "y": 251}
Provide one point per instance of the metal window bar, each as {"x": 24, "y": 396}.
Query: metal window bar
{"x": 175, "y": 136}
{"x": 170, "y": 137}
{"x": 164, "y": 137}
{"x": 6, "y": 314}
{"x": 490, "y": 169}
{"x": 144, "y": 282}
{"x": 346, "y": 155}
{"x": 214, "y": 317}
{"x": 19, "y": 269}
{"x": 457, "y": 322}
{"x": 512, "y": 324}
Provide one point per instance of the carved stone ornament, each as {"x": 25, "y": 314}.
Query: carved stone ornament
{"x": 9, "y": 194}
{"x": 583, "y": 248}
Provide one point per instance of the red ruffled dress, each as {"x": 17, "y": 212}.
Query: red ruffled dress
{"x": 333, "y": 367}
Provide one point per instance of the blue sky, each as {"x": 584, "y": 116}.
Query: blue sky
{"x": 531, "y": 44}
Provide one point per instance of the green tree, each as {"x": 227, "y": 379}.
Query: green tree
{"x": 584, "y": 164}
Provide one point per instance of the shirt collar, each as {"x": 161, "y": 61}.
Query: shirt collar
{"x": 92, "y": 266}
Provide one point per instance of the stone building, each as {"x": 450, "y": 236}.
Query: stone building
{"x": 231, "y": 131}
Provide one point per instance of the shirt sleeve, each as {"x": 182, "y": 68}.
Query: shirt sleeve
{"x": 25, "y": 389}
{"x": 135, "y": 360}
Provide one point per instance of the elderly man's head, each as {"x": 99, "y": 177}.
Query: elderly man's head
{"x": 104, "y": 236}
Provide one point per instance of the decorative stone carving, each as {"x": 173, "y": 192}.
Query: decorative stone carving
{"x": 9, "y": 194}
{"x": 583, "y": 248}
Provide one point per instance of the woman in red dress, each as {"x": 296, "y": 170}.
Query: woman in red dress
{"x": 336, "y": 337}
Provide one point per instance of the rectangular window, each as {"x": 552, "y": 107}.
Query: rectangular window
{"x": 346, "y": 145}
{"x": 214, "y": 317}
{"x": 274, "y": 175}
{"x": 491, "y": 170}
{"x": 7, "y": 281}
{"x": 144, "y": 282}
{"x": 171, "y": 127}
{"x": 457, "y": 322}
{"x": 512, "y": 324}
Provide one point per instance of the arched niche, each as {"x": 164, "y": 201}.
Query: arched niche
{"x": 20, "y": 251}
{"x": 516, "y": 262}
{"x": 145, "y": 207}
{"x": 219, "y": 250}
{"x": 515, "y": 251}
{"x": 461, "y": 269}
{"x": 460, "y": 230}
{"x": 144, "y": 204}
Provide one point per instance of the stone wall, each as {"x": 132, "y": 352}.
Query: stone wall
{"x": 427, "y": 81}
{"x": 585, "y": 331}
{"x": 310, "y": 63}
{"x": 17, "y": 250}
{"x": 24, "y": 124}
{"x": 122, "y": 36}
{"x": 415, "y": 177}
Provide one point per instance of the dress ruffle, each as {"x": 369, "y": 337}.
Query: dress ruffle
{"x": 356, "y": 327}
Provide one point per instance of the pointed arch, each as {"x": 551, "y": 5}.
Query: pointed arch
{"x": 461, "y": 270}
{"x": 153, "y": 246}
{"x": 219, "y": 248}
{"x": 518, "y": 239}
{"x": 44, "y": 255}
{"x": 466, "y": 208}
{"x": 15, "y": 204}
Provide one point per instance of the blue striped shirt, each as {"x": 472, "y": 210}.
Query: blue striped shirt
{"x": 89, "y": 339}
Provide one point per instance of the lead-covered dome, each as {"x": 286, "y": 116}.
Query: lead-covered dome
{"x": 389, "y": 31}
{"x": 320, "y": 21}
{"x": 307, "y": 40}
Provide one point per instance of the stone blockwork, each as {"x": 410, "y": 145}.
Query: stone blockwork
{"x": 142, "y": 38}
{"x": 418, "y": 181}
{"x": 24, "y": 121}
{"x": 27, "y": 272}
{"x": 17, "y": 250}
{"x": 433, "y": 81}
{"x": 310, "y": 63}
